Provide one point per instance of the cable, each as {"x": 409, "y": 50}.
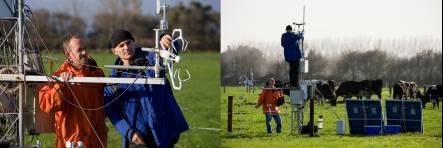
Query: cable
{"x": 105, "y": 68}
{"x": 38, "y": 37}
{"x": 47, "y": 49}
{"x": 82, "y": 108}
{"x": 56, "y": 59}
{"x": 206, "y": 128}
{"x": 101, "y": 107}
{"x": 86, "y": 116}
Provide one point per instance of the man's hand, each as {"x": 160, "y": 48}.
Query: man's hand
{"x": 137, "y": 138}
{"x": 66, "y": 76}
{"x": 165, "y": 41}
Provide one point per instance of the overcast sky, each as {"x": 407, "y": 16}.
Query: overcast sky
{"x": 265, "y": 21}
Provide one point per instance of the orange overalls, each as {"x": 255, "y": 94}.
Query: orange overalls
{"x": 269, "y": 97}
{"x": 70, "y": 122}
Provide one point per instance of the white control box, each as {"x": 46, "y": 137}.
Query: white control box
{"x": 298, "y": 96}
{"x": 304, "y": 65}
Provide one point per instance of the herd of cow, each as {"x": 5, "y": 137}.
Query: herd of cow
{"x": 326, "y": 90}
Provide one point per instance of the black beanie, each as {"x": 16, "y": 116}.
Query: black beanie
{"x": 288, "y": 27}
{"x": 120, "y": 35}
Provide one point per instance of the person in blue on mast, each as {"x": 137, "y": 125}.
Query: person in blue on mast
{"x": 290, "y": 41}
{"x": 145, "y": 115}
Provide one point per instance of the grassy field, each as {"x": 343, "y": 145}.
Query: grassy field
{"x": 198, "y": 99}
{"x": 249, "y": 129}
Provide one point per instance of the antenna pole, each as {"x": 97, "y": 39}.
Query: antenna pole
{"x": 22, "y": 86}
{"x": 303, "y": 30}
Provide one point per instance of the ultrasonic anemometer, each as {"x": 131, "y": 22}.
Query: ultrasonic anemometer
{"x": 165, "y": 58}
{"x": 169, "y": 56}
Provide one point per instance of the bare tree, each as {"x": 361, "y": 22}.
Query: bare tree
{"x": 200, "y": 22}
{"x": 317, "y": 65}
{"x": 348, "y": 65}
{"x": 423, "y": 68}
{"x": 54, "y": 26}
{"x": 240, "y": 60}
{"x": 122, "y": 14}
{"x": 372, "y": 64}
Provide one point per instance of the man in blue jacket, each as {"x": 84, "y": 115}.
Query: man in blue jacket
{"x": 293, "y": 54}
{"x": 145, "y": 115}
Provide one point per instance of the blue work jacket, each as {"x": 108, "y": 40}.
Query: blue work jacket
{"x": 149, "y": 109}
{"x": 290, "y": 43}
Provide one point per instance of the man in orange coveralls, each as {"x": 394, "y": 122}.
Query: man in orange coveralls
{"x": 65, "y": 99}
{"x": 268, "y": 99}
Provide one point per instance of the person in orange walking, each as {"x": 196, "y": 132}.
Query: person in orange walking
{"x": 268, "y": 99}
{"x": 78, "y": 122}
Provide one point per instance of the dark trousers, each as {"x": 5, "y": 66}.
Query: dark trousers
{"x": 294, "y": 72}
{"x": 150, "y": 143}
{"x": 277, "y": 120}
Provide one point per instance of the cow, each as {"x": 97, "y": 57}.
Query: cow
{"x": 421, "y": 97}
{"x": 405, "y": 90}
{"x": 432, "y": 94}
{"x": 366, "y": 88}
{"x": 348, "y": 89}
{"x": 401, "y": 90}
{"x": 412, "y": 94}
{"x": 326, "y": 91}
{"x": 332, "y": 85}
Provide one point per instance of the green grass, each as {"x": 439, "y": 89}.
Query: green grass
{"x": 198, "y": 99}
{"x": 249, "y": 129}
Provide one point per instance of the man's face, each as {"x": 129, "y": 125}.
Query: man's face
{"x": 77, "y": 52}
{"x": 125, "y": 50}
{"x": 271, "y": 82}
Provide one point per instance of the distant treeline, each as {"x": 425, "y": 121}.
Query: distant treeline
{"x": 425, "y": 67}
{"x": 200, "y": 24}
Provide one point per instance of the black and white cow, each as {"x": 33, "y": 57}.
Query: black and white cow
{"x": 405, "y": 90}
{"x": 325, "y": 90}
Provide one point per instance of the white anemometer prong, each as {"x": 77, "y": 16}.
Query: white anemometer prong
{"x": 178, "y": 34}
{"x": 178, "y": 79}
{"x": 158, "y": 7}
{"x": 177, "y": 75}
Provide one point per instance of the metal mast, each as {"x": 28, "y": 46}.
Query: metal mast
{"x": 22, "y": 86}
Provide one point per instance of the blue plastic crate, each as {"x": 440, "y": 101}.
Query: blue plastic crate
{"x": 392, "y": 129}
{"x": 373, "y": 130}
